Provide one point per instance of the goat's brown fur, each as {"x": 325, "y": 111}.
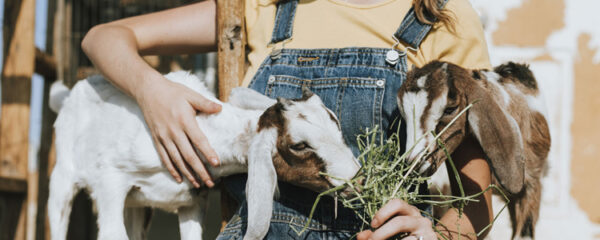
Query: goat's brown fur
{"x": 300, "y": 168}
{"x": 515, "y": 138}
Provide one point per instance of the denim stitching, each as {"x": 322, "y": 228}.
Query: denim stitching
{"x": 337, "y": 65}
{"x": 352, "y": 81}
{"x": 275, "y": 34}
{"x": 340, "y": 97}
{"x": 290, "y": 22}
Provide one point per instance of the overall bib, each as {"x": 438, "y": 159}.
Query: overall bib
{"x": 359, "y": 85}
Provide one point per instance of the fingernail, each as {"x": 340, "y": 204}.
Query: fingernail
{"x": 209, "y": 183}
{"x": 178, "y": 180}
{"x": 214, "y": 161}
{"x": 374, "y": 222}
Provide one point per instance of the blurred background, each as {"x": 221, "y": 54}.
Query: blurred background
{"x": 560, "y": 39}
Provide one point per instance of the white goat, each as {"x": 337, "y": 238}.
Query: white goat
{"x": 506, "y": 118}
{"x": 104, "y": 147}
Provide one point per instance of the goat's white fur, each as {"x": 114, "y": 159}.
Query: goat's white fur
{"x": 104, "y": 146}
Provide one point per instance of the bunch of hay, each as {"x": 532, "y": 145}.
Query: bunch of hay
{"x": 386, "y": 174}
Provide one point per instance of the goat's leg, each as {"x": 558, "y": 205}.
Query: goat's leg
{"x": 137, "y": 222}
{"x": 110, "y": 202}
{"x": 60, "y": 202}
{"x": 190, "y": 219}
{"x": 524, "y": 210}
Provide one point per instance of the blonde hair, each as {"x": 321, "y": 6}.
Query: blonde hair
{"x": 428, "y": 10}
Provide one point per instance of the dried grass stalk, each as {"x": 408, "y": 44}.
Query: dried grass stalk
{"x": 387, "y": 175}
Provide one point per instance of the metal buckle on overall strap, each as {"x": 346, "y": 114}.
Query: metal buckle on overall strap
{"x": 276, "y": 52}
{"x": 392, "y": 56}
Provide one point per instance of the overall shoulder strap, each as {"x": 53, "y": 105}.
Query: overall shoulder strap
{"x": 412, "y": 31}
{"x": 284, "y": 20}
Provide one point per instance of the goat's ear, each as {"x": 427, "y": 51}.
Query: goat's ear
{"x": 247, "y": 98}
{"x": 261, "y": 184}
{"x": 499, "y": 136}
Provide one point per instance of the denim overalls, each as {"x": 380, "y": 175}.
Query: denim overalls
{"x": 357, "y": 84}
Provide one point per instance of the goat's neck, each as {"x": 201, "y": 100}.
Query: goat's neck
{"x": 230, "y": 133}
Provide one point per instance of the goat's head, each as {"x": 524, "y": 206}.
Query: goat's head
{"x": 435, "y": 94}
{"x": 296, "y": 140}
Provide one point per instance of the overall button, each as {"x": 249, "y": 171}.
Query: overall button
{"x": 380, "y": 83}
{"x": 271, "y": 79}
{"x": 392, "y": 57}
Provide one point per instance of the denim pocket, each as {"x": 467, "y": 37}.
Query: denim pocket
{"x": 357, "y": 101}
{"x": 233, "y": 230}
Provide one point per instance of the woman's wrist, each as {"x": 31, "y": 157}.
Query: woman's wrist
{"x": 147, "y": 86}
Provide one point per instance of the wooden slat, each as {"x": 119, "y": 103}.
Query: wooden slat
{"x": 231, "y": 45}
{"x": 45, "y": 65}
{"x": 13, "y": 185}
{"x": 231, "y": 40}
{"x": 19, "y": 49}
{"x": 16, "y": 87}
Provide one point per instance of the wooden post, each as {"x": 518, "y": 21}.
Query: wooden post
{"x": 45, "y": 65}
{"x": 19, "y": 50}
{"x": 231, "y": 36}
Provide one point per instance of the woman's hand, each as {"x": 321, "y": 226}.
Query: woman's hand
{"x": 170, "y": 110}
{"x": 396, "y": 217}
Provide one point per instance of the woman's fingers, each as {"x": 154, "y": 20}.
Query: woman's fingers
{"x": 393, "y": 208}
{"x": 175, "y": 156}
{"x": 194, "y": 133}
{"x": 415, "y": 225}
{"x": 192, "y": 159}
{"x": 200, "y": 103}
{"x": 164, "y": 157}
{"x": 364, "y": 235}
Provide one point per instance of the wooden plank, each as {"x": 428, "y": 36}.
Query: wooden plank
{"x": 32, "y": 205}
{"x": 45, "y": 65}
{"x": 13, "y": 185}
{"x": 18, "y": 35}
{"x": 231, "y": 40}
{"x": 231, "y": 37}
{"x": 45, "y": 156}
{"x": 19, "y": 18}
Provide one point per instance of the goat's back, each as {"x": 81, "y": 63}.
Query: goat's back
{"x": 99, "y": 123}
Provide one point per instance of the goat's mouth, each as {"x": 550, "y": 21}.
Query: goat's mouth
{"x": 429, "y": 163}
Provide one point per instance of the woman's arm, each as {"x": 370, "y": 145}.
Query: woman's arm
{"x": 475, "y": 176}
{"x": 116, "y": 48}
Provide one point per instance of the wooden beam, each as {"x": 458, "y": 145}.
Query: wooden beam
{"x": 45, "y": 65}
{"x": 13, "y": 185}
{"x": 45, "y": 157}
{"x": 19, "y": 16}
{"x": 231, "y": 37}
{"x": 231, "y": 40}
{"x": 19, "y": 50}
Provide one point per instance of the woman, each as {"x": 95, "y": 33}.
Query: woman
{"x": 344, "y": 52}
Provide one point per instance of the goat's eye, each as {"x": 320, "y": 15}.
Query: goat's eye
{"x": 450, "y": 110}
{"x": 299, "y": 146}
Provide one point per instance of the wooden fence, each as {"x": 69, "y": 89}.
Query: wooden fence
{"x": 23, "y": 193}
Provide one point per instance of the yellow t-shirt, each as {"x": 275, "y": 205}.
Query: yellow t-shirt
{"x": 337, "y": 24}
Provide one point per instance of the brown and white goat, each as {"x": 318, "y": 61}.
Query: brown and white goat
{"x": 506, "y": 118}
{"x": 104, "y": 147}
